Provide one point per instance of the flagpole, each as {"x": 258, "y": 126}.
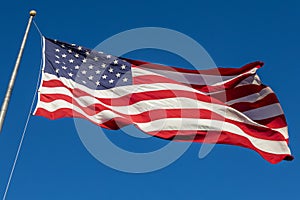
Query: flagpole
{"x": 15, "y": 71}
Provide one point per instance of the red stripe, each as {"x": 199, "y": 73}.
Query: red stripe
{"x": 67, "y": 112}
{"x": 136, "y": 97}
{"x": 214, "y": 71}
{"x": 222, "y": 137}
{"x": 238, "y": 92}
{"x": 245, "y": 106}
{"x": 274, "y": 122}
{"x": 150, "y": 79}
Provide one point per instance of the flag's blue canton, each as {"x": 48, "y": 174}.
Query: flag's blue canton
{"x": 93, "y": 69}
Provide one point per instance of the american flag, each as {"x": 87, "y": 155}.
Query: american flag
{"x": 222, "y": 105}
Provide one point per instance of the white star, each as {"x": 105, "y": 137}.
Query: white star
{"x": 71, "y": 60}
{"x": 96, "y": 58}
{"x": 115, "y": 62}
{"x": 118, "y": 75}
{"x": 70, "y": 51}
{"x": 79, "y": 48}
{"x": 84, "y": 82}
{"x": 111, "y": 81}
{"x": 57, "y": 70}
{"x": 97, "y": 83}
{"x": 91, "y": 67}
{"x": 57, "y": 56}
{"x": 57, "y": 62}
{"x": 87, "y": 53}
{"x": 123, "y": 67}
{"x": 73, "y": 45}
{"x": 125, "y": 79}
{"x": 90, "y": 77}
{"x": 98, "y": 72}
{"x": 84, "y": 60}
{"x": 111, "y": 70}
{"x": 76, "y": 67}
{"x": 63, "y": 46}
{"x": 104, "y": 76}
{"x": 77, "y": 55}
{"x": 108, "y": 56}
{"x": 70, "y": 74}
{"x": 57, "y": 50}
{"x": 83, "y": 72}
{"x": 103, "y": 65}
{"x": 64, "y": 67}
{"x": 64, "y": 55}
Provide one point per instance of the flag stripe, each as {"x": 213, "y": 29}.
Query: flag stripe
{"x": 244, "y": 106}
{"x": 214, "y": 71}
{"x": 265, "y": 112}
{"x": 262, "y": 93}
{"x": 274, "y": 122}
{"x": 228, "y": 138}
{"x": 202, "y": 83}
{"x": 238, "y": 92}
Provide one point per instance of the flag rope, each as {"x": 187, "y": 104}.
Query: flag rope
{"x": 25, "y": 127}
{"x": 37, "y": 28}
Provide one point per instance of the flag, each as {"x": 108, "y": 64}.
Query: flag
{"x": 221, "y": 105}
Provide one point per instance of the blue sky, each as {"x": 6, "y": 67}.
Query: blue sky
{"x": 54, "y": 163}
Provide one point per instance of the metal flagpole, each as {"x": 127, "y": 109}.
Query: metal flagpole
{"x": 15, "y": 71}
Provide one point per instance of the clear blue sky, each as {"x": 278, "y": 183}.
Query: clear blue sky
{"x": 53, "y": 162}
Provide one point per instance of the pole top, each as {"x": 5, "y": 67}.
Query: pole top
{"x": 32, "y": 13}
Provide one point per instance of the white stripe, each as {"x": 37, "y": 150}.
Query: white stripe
{"x": 148, "y": 105}
{"x": 189, "y": 78}
{"x": 251, "y": 80}
{"x": 265, "y": 112}
{"x": 248, "y": 81}
{"x": 198, "y": 79}
{"x": 98, "y": 118}
{"x": 252, "y": 71}
{"x": 283, "y": 131}
{"x": 275, "y": 147}
{"x": 60, "y": 104}
{"x": 119, "y": 91}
